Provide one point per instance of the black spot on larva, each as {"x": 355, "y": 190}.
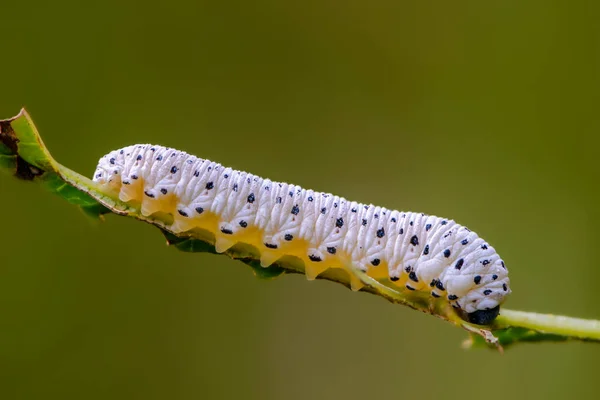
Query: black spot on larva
{"x": 412, "y": 223}
{"x": 295, "y": 210}
{"x": 196, "y": 173}
{"x": 132, "y": 176}
{"x": 288, "y": 237}
{"x": 235, "y": 187}
{"x": 331, "y": 250}
{"x": 504, "y": 287}
{"x": 452, "y": 297}
{"x": 494, "y": 277}
{"x": 393, "y": 219}
{"x": 485, "y": 262}
{"x": 464, "y": 242}
{"x": 484, "y": 247}
{"x": 440, "y": 285}
{"x": 121, "y": 152}
{"x": 227, "y": 176}
{"x": 364, "y": 222}
{"x": 376, "y": 216}
{"x": 314, "y": 258}
{"x": 427, "y": 227}
{"x": 354, "y": 210}
{"x": 310, "y": 198}
{"x": 339, "y": 222}
{"x": 434, "y": 294}
{"x": 484, "y": 317}
{"x": 270, "y": 245}
{"x": 444, "y": 222}
{"x": 335, "y": 205}
{"x": 112, "y": 161}
{"x": 413, "y": 277}
{"x": 163, "y": 191}
{"x": 426, "y": 250}
{"x": 447, "y": 234}
{"x": 375, "y": 262}
{"x": 447, "y": 253}
{"x": 139, "y": 157}
{"x": 414, "y": 240}
{"x": 182, "y": 213}
{"x": 487, "y": 292}
{"x": 433, "y": 282}
{"x": 243, "y": 224}
{"x": 381, "y": 233}
{"x": 394, "y": 278}
{"x": 98, "y": 175}
{"x": 477, "y": 279}
{"x": 226, "y": 231}
{"x": 323, "y": 210}
{"x": 407, "y": 268}
{"x": 174, "y": 169}
{"x": 409, "y": 287}
{"x": 210, "y": 185}
{"x": 401, "y": 231}
{"x": 190, "y": 161}
{"x": 248, "y": 180}
{"x": 149, "y": 194}
{"x": 459, "y": 263}
{"x": 291, "y": 194}
{"x": 199, "y": 210}
{"x": 159, "y": 158}
{"x": 251, "y": 198}
{"x": 279, "y": 200}
{"x": 502, "y": 263}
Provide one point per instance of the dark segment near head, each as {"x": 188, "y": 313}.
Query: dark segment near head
{"x": 483, "y": 317}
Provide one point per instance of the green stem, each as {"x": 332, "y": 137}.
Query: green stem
{"x": 549, "y": 323}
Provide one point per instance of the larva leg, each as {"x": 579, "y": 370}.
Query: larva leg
{"x": 356, "y": 274}
{"x": 268, "y": 257}
{"x": 315, "y": 265}
{"x": 131, "y": 189}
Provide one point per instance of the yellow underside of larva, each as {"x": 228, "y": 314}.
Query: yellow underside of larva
{"x": 206, "y": 227}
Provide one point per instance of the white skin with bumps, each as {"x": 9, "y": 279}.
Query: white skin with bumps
{"x": 414, "y": 251}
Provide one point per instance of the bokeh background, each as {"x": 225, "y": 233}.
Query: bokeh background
{"x": 485, "y": 112}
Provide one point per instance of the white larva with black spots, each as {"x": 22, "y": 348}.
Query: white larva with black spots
{"x": 414, "y": 251}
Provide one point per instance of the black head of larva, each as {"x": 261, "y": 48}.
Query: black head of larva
{"x": 483, "y": 317}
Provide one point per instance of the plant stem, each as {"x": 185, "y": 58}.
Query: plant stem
{"x": 549, "y": 323}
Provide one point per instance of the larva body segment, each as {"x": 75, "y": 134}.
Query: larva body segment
{"x": 414, "y": 251}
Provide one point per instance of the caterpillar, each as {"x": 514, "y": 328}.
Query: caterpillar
{"x": 412, "y": 251}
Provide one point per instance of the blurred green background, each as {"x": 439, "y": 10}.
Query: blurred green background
{"x": 481, "y": 112}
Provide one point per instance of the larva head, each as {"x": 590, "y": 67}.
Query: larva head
{"x": 481, "y": 304}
